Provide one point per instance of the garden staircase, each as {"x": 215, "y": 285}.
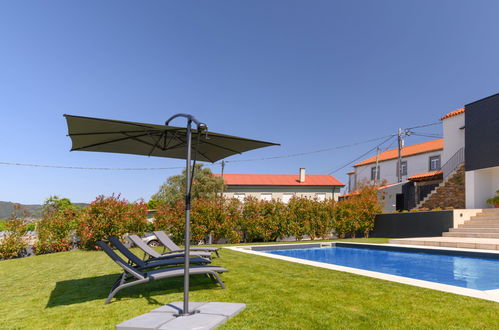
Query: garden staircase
{"x": 480, "y": 232}
{"x": 482, "y": 225}
{"x": 449, "y": 193}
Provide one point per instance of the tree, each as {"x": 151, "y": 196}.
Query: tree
{"x": 55, "y": 203}
{"x": 204, "y": 185}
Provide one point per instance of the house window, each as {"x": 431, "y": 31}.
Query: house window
{"x": 266, "y": 197}
{"x": 374, "y": 175}
{"x": 321, "y": 197}
{"x": 403, "y": 168}
{"x": 435, "y": 163}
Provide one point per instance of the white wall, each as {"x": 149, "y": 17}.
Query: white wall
{"x": 480, "y": 186}
{"x": 388, "y": 169}
{"x": 282, "y": 193}
{"x": 453, "y": 136}
{"x": 388, "y": 197}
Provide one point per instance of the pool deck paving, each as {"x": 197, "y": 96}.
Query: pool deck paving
{"x": 452, "y": 242}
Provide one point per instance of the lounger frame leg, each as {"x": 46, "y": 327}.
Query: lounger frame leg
{"x": 122, "y": 286}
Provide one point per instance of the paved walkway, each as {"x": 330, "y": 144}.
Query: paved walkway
{"x": 455, "y": 242}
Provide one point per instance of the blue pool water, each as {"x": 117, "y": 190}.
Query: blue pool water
{"x": 466, "y": 272}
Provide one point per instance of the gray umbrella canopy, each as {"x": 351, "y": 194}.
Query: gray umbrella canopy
{"x": 105, "y": 135}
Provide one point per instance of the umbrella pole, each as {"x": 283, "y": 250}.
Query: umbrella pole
{"x": 187, "y": 241}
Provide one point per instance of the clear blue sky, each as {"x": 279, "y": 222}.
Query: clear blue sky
{"x": 306, "y": 74}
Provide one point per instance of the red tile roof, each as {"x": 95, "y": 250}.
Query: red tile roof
{"x": 453, "y": 113}
{"x": 280, "y": 180}
{"x": 425, "y": 176}
{"x": 414, "y": 149}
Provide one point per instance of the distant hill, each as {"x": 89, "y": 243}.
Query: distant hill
{"x": 33, "y": 210}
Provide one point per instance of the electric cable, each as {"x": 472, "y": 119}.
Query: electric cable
{"x": 364, "y": 154}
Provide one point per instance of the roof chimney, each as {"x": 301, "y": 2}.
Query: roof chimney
{"x": 301, "y": 177}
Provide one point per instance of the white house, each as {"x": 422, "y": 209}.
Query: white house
{"x": 416, "y": 159}
{"x": 281, "y": 186}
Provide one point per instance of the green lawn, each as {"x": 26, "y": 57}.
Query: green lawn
{"x": 67, "y": 290}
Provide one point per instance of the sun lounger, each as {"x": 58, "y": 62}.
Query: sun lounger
{"x": 151, "y": 263}
{"x": 135, "y": 239}
{"x": 132, "y": 276}
{"x": 170, "y": 245}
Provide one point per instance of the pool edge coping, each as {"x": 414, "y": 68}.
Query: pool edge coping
{"x": 490, "y": 295}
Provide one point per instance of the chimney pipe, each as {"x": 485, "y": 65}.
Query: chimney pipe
{"x": 301, "y": 177}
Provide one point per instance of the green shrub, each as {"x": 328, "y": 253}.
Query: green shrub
{"x": 218, "y": 217}
{"x": 358, "y": 212}
{"x": 55, "y": 230}
{"x": 170, "y": 218}
{"x": 13, "y": 244}
{"x": 494, "y": 200}
{"x": 110, "y": 216}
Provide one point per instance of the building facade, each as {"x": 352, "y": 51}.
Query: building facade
{"x": 481, "y": 151}
{"x": 415, "y": 159}
{"x": 281, "y": 186}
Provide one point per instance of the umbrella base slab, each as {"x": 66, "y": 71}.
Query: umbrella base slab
{"x": 208, "y": 315}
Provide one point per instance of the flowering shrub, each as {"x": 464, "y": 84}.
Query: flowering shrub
{"x": 13, "y": 244}
{"x": 170, "y": 218}
{"x": 55, "y": 230}
{"x": 110, "y": 216}
{"x": 310, "y": 217}
{"x": 217, "y": 217}
{"x": 358, "y": 212}
{"x": 256, "y": 220}
{"x": 251, "y": 219}
{"x": 274, "y": 220}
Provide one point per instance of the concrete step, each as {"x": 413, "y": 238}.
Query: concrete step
{"x": 479, "y": 225}
{"x": 474, "y": 230}
{"x": 484, "y": 217}
{"x": 490, "y": 211}
{"x": 480, "y": 222}
{"x": 475, "y": 235}
{"x": 451, "y": 242}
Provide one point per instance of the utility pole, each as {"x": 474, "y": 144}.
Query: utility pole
{"x": 222, "y": 175}
{"x": 400, "y": 139}
{"x": 376, "y": 177}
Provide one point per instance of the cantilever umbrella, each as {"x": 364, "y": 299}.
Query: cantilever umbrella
{"x": 105, "y": 135}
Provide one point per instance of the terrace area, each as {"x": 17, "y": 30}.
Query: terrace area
{"x": 67, "y": 290}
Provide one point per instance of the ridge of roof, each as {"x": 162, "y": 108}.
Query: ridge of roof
{"x": 453, "y": 113}
{"x": 280, "y": 180}
{"x": 411, "y": 150}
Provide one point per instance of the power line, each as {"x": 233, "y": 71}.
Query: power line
{"x": 228, "y": 161}
{"x": 367, "y": 152}
{"x": 309, "y": 152}
{"x": 425, "y": 125}
{"x": 94, "y": 168}
{"x": 427, "y": 135}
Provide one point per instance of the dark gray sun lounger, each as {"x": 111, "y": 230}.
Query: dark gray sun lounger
{"x": 151, "y": 263}
{"x": 135, "y": 239}
{"x": 132, "y": 276}
{"x": 170, "y": 245}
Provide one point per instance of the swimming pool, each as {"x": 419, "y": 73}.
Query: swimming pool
{"x": 466, "y": 271}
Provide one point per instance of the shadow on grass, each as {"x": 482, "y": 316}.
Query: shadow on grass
{"x": 96, "y": 288}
